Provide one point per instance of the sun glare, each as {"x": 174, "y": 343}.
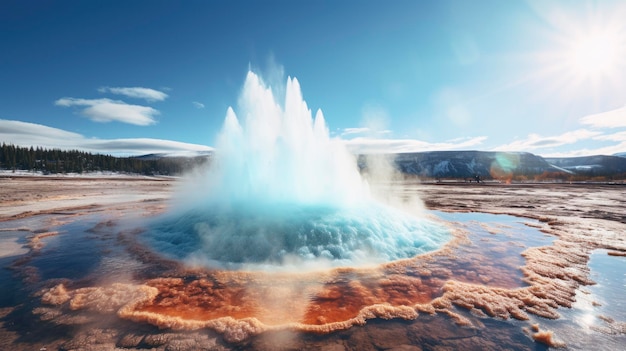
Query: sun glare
{"x": 583, "y": 55}
{"x": 595, "y": 54}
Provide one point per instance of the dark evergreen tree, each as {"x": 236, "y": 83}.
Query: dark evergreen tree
{"x": 75, "y": 161}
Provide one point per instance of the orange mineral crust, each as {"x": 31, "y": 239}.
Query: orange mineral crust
{"x": 307, "y": 300}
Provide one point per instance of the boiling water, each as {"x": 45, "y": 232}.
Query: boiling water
{"x": 280, "y": 191}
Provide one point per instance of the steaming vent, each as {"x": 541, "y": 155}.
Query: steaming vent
{"x": 282, "y": 193}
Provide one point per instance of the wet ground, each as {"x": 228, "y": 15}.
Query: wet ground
{"x": 74, "y": 276}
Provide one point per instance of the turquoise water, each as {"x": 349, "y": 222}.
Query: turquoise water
{"x": 295, "y": 234}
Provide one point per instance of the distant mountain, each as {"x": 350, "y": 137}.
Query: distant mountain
{"x": 176, "y": 163}
{"x": 621, "y": 154}
{"x": 158, "y": 156}
{"x": 498, "y": 165}
{"x": 591, "y": 165}
{"x": 150, "y": 157}
{"x": 468, "y": 164}
{"x": 462, "y": 164}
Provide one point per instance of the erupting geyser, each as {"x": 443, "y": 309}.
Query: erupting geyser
{"x": 281, "y": 192}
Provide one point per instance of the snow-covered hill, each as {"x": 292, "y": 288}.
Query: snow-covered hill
{"x": 488, "y": 164}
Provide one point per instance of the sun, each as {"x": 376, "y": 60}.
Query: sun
{"x": 580, "y": 52}
{"x": 582, "y": 60}
{"x": 595, "y": 54}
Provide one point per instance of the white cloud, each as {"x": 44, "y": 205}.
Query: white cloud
{"x": 106, "y": 110}
{"x": 364, "y": 130}
{"x": 350, "y": 131}
{"x": 31, "y": 134}
{"x": 136, "y": 92}
{"x": 198, "y": 105}
{"x": 536, "y": 141}
{"x": 619, "y": 136}
{"x": 609, "y": 119}
{"x": 374, "y": 121}
{"x": 378, "y": 146}
{"x": 606, "y": 150}
{"x": 144, "y": 145}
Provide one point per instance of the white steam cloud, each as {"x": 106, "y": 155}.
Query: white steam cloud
{"x": 280, "y": 192}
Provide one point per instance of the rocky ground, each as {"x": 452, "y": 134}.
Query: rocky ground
{"x": 596, "y": 201}
{"x": 25, "y": 196}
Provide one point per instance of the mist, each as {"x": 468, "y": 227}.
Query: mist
{"x": 280, "y": 192}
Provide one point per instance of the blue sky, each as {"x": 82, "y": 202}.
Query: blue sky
{"x": 132, "y": 77}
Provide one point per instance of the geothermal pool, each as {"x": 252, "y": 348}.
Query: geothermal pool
{"x": 75, "y": 274}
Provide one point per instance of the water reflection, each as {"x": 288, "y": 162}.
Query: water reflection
{"x": 597, "y": 320}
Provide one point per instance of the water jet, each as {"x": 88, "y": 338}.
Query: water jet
{"x": 281, "y": 192}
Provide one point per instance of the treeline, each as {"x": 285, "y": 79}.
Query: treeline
{"x": 53, "y": 161}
